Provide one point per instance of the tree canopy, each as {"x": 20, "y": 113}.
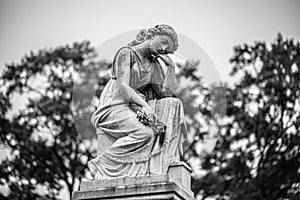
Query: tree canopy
{"x": 45, "y": 150}
{"x": 257, "y": 154}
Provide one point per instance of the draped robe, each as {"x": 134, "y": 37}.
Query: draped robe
{"x": 136, "y": 150}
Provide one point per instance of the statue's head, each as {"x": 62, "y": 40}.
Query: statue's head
{"x": 161, "y": 39}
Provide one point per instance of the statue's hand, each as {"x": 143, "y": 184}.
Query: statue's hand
{"x": 149, "y": 111}
{"x": 146, "y": 115}
{"x": 166, "y": 59}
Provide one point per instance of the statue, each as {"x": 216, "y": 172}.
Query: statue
{"x": 138, "y": 108}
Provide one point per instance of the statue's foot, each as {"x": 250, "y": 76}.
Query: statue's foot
{"x": 92, "y": 169}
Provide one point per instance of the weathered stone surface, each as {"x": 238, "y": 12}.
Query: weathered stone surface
{"x": 181, "y": 174}
{"x": 150, "y": 189}
{"x": 127, "y": 181}
{"x": 143, "y": 122}
{"x": 174, "y": 185}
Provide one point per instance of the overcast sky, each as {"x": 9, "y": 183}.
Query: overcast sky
{"x": 216, "y": 26}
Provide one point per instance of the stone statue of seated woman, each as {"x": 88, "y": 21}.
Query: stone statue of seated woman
{"x": 138, "y": 111}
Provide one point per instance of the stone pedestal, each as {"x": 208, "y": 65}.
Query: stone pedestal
{"x": 173, "y": 185}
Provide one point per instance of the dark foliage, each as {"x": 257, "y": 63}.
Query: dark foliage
{"x": 45, "y": 149}
{"x": 257, "y": 155}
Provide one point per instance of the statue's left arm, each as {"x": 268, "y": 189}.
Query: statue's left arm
{"x": 168, "y": 86}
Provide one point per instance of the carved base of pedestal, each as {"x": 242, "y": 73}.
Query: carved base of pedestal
{"x": 174, "y": 185}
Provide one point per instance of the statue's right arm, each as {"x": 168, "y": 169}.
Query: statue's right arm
{"x": 123, "y": 78}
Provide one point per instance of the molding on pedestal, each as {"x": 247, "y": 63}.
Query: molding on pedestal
{"x": 174, "y": 185}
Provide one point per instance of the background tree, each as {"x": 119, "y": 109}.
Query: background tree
{"x": 42, "y": 138}
{"x": 257, "y": 155}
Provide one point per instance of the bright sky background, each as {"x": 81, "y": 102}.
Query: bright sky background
{"x": 215, "y": 25}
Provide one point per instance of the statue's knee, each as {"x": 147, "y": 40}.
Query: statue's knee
{"x": 148, "y": 133}
{"x": 174, "y": 100}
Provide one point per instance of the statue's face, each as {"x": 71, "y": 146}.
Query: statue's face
{"x": 161, "y": 44}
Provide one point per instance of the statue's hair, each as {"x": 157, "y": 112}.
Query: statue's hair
{"x": 162, "y": 29}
